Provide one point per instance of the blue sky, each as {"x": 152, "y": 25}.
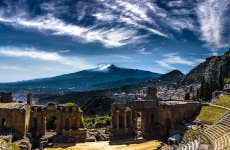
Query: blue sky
{"x": 44, "y": 38}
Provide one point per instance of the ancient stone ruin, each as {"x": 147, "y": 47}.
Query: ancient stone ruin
{"x": 147, "y": 118}
{"x": 150, "y": 118}
{"x": 28, "y": 120}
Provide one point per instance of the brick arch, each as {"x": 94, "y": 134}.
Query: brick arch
{"x": 57, "y": 117}
{"x": 51, "y": 122}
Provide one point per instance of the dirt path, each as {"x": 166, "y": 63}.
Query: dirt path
{"x": 104, "y": 145}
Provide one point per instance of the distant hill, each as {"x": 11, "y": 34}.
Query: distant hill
{"x": 174, "y": 76}
{"x": 102, "y": 77}
{"x": 171, "y": 78}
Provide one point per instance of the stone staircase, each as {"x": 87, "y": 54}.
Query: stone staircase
{"x": 222, "y": 142}
{"x": 219, "y": 133}
{"x": 191, "y": 145}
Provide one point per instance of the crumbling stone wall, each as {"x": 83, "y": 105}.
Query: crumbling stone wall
{"x": 157, "y": 119}
{"x": 30, "y": 120}
{"x": 6, "y": 97}
{"x": 68, "y": 120}
{"x": 16, "y": 119}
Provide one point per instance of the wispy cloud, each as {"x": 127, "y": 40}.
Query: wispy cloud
{"x": 113, "y": 37}
{"x": 13, "y": 68}
{"x": 115, "y": 23}
{"x": 132, "y": 13}
{"x": 211, "y": 17}
{"x": 143, "y": 51}
{"x": 169, "y": 60}
{"x": 33, "y": 53}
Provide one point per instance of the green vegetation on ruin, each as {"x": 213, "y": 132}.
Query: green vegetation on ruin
{"x": 14, "y": 147}
{"x": 223, "y": 101}
{"x": 227, "y": 80}
{"x": 69, "y": 104}
{"x": 97, "y": 122}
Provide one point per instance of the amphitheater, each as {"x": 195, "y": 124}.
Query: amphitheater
{"x": 219, "y": 132}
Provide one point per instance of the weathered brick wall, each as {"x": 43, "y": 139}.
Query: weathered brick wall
{"x": 66, "y": 119}
{"x": 14, "y": 119}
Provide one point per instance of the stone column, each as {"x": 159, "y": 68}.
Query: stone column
{"x": 58, "y": 125}
{"x": 125, "y": 119}
{"x": 143, "y": 119}
{"x": 111, "y": 122}
{"x": 117, "y": 119}
{"x": 43, "y": 123}
{"x": 131, "y": 119}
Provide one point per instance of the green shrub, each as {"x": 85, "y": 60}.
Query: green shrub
{"x": 97, "y": 122}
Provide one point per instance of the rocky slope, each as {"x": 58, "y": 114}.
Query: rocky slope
{"x": 215, "y": 68}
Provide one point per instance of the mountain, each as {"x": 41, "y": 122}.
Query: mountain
{"x": 102, "y": 77}
{"x": 170, "y": 79}
{"x": 215, "y": 69}
{"x": 174, "y": 76}
{"x": 99, "y": 101}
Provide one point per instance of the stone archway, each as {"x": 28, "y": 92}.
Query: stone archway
{"x": 51, "y": 123}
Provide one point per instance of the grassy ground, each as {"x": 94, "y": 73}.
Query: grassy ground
{"x": 104, "y": 145}
{"x": 209, "y": 114}
{"x": 14, "y": 147}
{"x": 223, "y": 101}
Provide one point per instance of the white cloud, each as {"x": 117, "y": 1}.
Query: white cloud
{"x": 133, "y": 10}
{"x": 33, "y": 53}
{"x": 171, "y": 59}
{"x": 143, "y": 51}
{"x": 177, "y": 3}
{"x": 114, "y": 37}
{"x": 104, "y": 16}
{"x": 210, "y": 14}
{"x": 64, "y": 51}
{"x": 132, "y": 13}
{"x": 165, "y": 64}
{"x": 124, "y": 57}
{"x": 13, "y": 68}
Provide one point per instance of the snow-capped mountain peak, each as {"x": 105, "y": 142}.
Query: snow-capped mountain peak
{"x": 103, "y": 67}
